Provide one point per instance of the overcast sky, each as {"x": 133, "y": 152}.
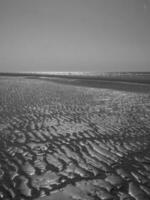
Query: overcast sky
{"x": 74, "y": 35}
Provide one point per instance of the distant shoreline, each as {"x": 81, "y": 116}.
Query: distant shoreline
{"x": 126, "y": 77}
{"x": 129, "y": 82}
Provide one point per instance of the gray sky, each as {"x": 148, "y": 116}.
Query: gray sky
{"x": 74, "y": 35}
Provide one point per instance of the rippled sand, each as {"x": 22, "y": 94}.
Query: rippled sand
{"x": 65, "y": 142}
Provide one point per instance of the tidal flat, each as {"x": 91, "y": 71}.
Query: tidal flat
{"x": 62, "y": 141}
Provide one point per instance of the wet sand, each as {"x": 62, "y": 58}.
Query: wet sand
{"x": 64, "y": 141}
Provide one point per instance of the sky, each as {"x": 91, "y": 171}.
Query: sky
{"x": 74, "y": 35}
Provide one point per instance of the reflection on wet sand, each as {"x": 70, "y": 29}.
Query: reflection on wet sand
{"x": 72, "y": 143}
